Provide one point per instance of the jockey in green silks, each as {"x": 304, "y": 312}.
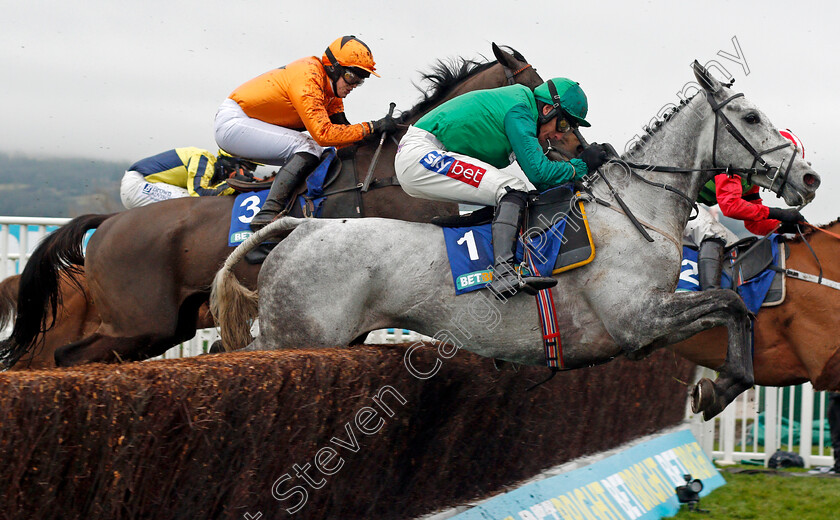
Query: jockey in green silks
{"x": 457, "y": 151}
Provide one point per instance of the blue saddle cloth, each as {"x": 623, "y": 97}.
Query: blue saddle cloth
{"x": 752, "y": 291}
{"x": 470, "y": 252}
{"x": 315, "y": 184}
{"x": 245, "y": 208}
{"x": 247, "y": 205}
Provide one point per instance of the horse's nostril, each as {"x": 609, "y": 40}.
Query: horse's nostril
{"x": 811, "y": 180}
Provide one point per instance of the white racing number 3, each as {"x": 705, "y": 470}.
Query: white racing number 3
{"x": 469, "y": 238}
{"x": 250, "y": 207}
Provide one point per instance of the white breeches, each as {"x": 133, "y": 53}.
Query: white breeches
{"x": 135, "y": 191}
{"x": 426, "y": 170}
{"x": 256, "y": 140}
{"x": 705, "y": 227}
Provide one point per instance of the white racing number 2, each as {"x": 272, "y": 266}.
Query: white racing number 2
{"x": 690, "y": 275}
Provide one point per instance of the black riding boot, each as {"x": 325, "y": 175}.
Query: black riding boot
{"x": 506, "y": 224}
{"x": 710, "y": 263}
{"x": 289, "y": 176}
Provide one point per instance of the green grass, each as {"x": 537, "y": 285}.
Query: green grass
{"x": 768, "y": 496}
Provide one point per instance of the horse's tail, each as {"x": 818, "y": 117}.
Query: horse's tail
{"x": 8, "y": 300}
{"x": 232, "y": 304}
{"x": 59, "y": 254}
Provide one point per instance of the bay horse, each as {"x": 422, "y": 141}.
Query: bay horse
{"x": 799, "y": 340}
{"x": 149, "y": 269}
{"x": 76, "y": 318}
{"x": 372, "y": 273}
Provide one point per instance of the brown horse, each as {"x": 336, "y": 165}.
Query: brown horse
{"x": 149, "y": 269}
{"x": 795, "y": 342}
{"x": 799, "y": 340}
{"x": 76, "y": 319}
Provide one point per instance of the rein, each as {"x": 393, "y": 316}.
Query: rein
{"x": 757, "y": 156}
{"x": 767, "y": 170}
{"x": 827, "y": 232}
{"x": 805, "y": 277}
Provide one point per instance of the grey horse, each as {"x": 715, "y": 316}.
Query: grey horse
{"x": 329, "y": 282}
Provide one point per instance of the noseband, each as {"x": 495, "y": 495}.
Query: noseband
{"x": 757, "y": 156}
{"x": 734, "y": 132}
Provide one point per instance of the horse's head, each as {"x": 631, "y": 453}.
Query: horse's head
{"x": 747, "y": 139}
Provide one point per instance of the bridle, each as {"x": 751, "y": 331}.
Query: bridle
{"x": 766, "y": 169}
{"x": 511, "y": 74}
{"x": 757, "y": 156}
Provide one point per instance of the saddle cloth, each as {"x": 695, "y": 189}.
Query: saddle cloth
{"x": 746, "y": 269}
{"x": 309, "y": 199}
{"x": 558, "y": 239}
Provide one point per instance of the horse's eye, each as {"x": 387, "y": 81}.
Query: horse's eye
{"x": 752, "y": 118}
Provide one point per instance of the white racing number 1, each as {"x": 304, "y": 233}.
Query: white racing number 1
{"x": 469, "y": 238}
{"x": 249, "y": 205}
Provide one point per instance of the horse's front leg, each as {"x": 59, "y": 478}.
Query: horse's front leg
{"x": 671, "y": 318}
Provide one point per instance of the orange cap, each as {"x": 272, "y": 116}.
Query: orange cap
{"x": 349, "y": 51}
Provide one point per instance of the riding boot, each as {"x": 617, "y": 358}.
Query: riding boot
{"x": 506, "y": 224}
{"x": 710, "y": 263}
{"x": 289, "y": 176}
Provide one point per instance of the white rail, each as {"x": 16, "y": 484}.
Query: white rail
{"x": 19, "y": 236}
{"x": 732, "y": 437}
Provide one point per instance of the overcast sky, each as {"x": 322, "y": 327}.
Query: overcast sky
{"x": 123, "y": 80}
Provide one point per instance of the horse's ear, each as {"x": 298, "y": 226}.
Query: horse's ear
{"x": 706, "y": 80}
{"x": 505, "y": 58}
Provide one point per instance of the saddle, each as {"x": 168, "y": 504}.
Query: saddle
{"x": 544, "y": 211}
{"x": 340, "y": 178}
{"x": 246, "y": 184}
{"x": 750, "y": 257}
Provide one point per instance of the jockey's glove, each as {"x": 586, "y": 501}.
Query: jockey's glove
{"x": 787, "y": 215}
{"x": 386, "y": 125}
{"x": 594, "y": 155}
{"x": 788, "y": 228}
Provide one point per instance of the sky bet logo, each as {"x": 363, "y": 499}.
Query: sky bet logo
{"x": 458, "y": 170}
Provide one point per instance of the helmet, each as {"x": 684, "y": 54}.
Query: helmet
{"x": 349, "y": 51}
{"x": 564, "y": 94}
{"x": 787, "y": 134}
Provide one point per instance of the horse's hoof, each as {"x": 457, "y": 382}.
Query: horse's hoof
{"x": 712, "y": 411}
{"x": 703, "y": 395}
{"x": 216, "y": 347}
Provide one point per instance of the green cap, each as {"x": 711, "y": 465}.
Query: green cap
{"x": 571, "y": 97}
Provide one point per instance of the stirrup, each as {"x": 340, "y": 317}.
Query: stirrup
{"x": 534, "y": 284}
{"x": 509, "y": 283}
{"x": 264, "y": 217}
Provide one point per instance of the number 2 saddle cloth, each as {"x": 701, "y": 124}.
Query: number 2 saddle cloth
{"x": 750, "y": 267}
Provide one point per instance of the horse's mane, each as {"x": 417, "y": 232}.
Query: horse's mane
{"x": 444, "y": 76}
{"x": 808, "y": 231}
{"x": 656, "y": 126}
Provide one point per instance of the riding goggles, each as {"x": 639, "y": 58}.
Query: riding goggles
{"x": 563, "y": 124}
{"x": 352, "y": 79}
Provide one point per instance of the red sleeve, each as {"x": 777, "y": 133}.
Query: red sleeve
{"x": 747, "y": 207}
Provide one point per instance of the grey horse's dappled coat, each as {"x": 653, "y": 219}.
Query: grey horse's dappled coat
{"x": 331, "y": 281}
